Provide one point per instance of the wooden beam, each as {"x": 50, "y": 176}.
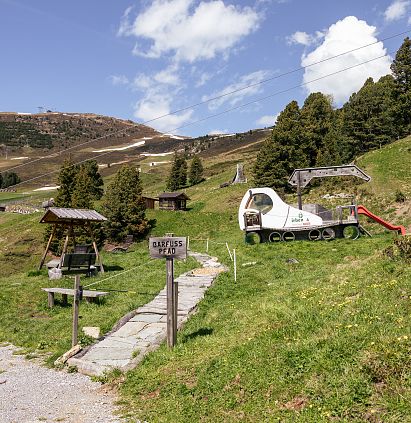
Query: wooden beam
{"x": 98, "y": 256}
{"x": 64, "y": 249}
{"x": 53, "y": 232}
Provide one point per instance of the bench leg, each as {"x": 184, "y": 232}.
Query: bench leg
{"x": 90, "y": 299}
{"x": 50, "y": 296}
{"x": 64, "y": 299}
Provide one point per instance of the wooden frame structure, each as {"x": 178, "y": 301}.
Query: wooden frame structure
{"x": 68, "y": 219}
{"x": 302, "y": 177}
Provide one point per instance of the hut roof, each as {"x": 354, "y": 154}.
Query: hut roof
{"x": 63, "y": 215}
{"x": 176, "y": 195}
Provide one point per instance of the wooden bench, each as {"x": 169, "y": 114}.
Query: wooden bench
{"x": 76, "y": 263}
{"x": 90, "y": 296}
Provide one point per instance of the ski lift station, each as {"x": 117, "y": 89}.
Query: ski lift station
{"x": 265, "y": 217}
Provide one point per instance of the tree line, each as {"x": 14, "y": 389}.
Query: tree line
{"x": 317, "y": 134}
{"x": 122, "y": 203}
{"x": 8, "y": 179}
{"x": 180, "y": 176}
{"x": 80, "y": 185}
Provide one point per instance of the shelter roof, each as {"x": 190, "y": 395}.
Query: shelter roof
{"x": 176, "y": 195}
{"x": 65, "y": 215}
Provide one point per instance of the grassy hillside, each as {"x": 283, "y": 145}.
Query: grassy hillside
{"x": 322, "y": 337}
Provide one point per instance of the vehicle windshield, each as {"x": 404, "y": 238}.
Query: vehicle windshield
{"x": 261, "y": 202}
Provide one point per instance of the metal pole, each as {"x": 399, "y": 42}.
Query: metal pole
{"x": 300, "y": 202}
{"x": 76, "y": 304}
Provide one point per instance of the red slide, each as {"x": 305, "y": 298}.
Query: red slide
{"x": 399, "y": 228}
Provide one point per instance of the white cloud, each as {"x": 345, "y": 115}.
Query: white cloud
{"x": 119, "y": 80}
{"x": 188, "y": 30}
{"x": 159, "y": 92}
{"x": 396, "y": 10}
{"x": 342, "y": 36}
{"x": 155, "y": 105}
{"x": 267, "y": 120}
{"x": 300, "y": 37}
{"x": 253, "y": 78}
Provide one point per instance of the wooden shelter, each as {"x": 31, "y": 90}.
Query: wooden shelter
{"x": 150, "y": 202}
{"x": 69, "y": 219}
{"x": 173, "y": 201}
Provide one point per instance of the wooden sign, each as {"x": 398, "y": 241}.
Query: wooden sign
{"x": 168, "y": 247}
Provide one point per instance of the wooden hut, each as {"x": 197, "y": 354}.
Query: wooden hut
{"x": 150, "y": 202}
{"x": 68, "y": 219}
{"x": 173, "y": 201}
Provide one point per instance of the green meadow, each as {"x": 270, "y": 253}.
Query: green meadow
{"x": 309, "y": 332}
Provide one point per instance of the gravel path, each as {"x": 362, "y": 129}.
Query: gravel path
{"x": 32, "y": 393}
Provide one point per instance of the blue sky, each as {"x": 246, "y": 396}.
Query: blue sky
{"x": 142, "y": 59}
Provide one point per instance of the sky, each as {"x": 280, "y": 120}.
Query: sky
{"x": 141, "y": 60}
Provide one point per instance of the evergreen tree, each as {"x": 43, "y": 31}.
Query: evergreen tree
{"x": 196, "y": 171}
{"x": 9, "y": 179}
{"x": 401, "y": 70}
{"x": 96, "y": 186}
{"x": 178, "y": 174}
{"x": 124, "y": 206}
{"x": 66, "y": 180}
{"x": 317, "y": 118}
{"x": 82, "y": 190}
{"x": 369, "y": 116}
{"x": 282, "y": 152}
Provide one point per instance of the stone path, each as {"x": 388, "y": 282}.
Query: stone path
{"x": 147, "y": 327}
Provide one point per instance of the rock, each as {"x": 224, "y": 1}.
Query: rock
{"x": 92, "y": 331}
{"x": 73, "y": 351}
{"x": 292, "y": 261}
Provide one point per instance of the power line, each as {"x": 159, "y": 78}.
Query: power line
{"x": 225, "y": 111}
{"x": 264, "y": 81}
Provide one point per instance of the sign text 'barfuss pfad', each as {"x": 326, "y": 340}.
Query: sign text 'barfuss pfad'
{"x": 168, "y": 247}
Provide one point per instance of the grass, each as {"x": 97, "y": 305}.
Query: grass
{"x": 324, "y": 337}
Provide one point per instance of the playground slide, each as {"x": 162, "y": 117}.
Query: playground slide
{"x": 399, "y": 228}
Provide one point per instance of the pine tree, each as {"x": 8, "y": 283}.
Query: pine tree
{"x": 369, "y": 116}
{"x": 82, "y": 190}
{"x": 96, "y": 186}
{"x": 282, "y": 152}
{"x": 317, "y": 117}
{"x": 401, "y": 70}
{"x": 66, "y": 181}
{"x": 177, "y": 178}
{"x": 9, "y": 179}
{"x": 195, "y": 174}
{"x": 124, "y": 206}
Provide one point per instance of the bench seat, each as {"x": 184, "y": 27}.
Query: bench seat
{"x": 90, "y": 296}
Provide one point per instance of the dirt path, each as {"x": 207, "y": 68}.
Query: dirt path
{"x": 32, "y": 393}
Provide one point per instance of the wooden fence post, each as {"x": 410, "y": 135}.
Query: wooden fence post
{"x": 171, "y": 314}
{"x": 76, "y": 304}
{"x": 235, "y": 266}
{"x": 229, "y": 252}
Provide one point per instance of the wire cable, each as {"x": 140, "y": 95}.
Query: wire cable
{"x": 264, "y": 81}
{"x": 225, "y": 111}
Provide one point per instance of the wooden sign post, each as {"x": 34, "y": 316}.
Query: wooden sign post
{"x": 170, "y": 248}
{"x": 78, "y": 293}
